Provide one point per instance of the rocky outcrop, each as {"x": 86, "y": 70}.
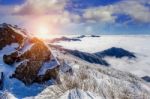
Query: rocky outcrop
{"x": 29, "y": 57}
{"x": 8, "y": 36}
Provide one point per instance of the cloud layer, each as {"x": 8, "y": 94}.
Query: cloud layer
{"x": 55, "y": 13}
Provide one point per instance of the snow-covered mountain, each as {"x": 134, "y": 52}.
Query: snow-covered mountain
{"x": 137, "y": 45}
{"x": 98, "y": 57}
{"x": 31, "y": 69}
{"x": 115, "y": 52}
{"x": 63, "y": 39}
{"x": 84, "y": 80}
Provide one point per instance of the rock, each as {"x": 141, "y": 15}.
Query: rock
{"x": 10, "y": 59}
{"x": 95, "y": 36}
{"x": 50, "y": 74}
{"x": 82, "y": 36}
{"x": 29, "y": 57}
{"x": 1, "y": 80}
{"x": 38, "y": 52}
{"x": 8, "y": 36}
{"x": 146, "y": 78}
{"x": 36, "y": 56}
{"x": 27, "y": 71}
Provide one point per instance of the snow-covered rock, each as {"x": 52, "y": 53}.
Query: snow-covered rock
{"x": 9, "y": 36}
{"x": 21, "y": 59}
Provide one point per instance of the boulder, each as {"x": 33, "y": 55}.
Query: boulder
{"x": 38, "y": 52}
{"x": 27, "y": 71}
{"x": 29, "y": 57}
{"x": 50, "y": 74}
{"x": 9, "y": 36}
{"x": 11, "y": 58}
{"x": 32, "y": 61}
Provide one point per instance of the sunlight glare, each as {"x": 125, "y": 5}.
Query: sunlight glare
{"x": 43, "y": 32}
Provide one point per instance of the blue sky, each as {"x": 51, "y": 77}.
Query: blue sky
{"x": 11, "y": 2}
{"x": 79, "y": 16}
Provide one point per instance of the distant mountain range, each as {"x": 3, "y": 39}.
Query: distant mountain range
{"x": 63, "y": 38}
{"x": 98, "y": 57}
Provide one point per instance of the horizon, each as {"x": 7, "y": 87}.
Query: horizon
{"x": 81, "y": 17}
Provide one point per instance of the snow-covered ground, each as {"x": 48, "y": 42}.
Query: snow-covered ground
{"x": 91, "y": 81}
{"x": 14, "y": 86}
{"x": 87, "y": 80}
{"x": 138, "y": 44}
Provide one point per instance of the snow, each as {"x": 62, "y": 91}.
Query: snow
{"x": 7, "y": 95}
{"x": 17, "y": 31}
{"x": 48, "y": 65}
{"x": 139, "y": 44}
{"x": 65, "y": 67}
{"x": 27, "y": 46}
{"x": 100, "y": 83}
{"x": 8, "y": 49}
{"x": 79, "y": 94}
{"x": 14, "y": 86}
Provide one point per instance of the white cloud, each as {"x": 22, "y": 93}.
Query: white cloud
{"x": 54, "y": 14}
{"x": 41, "y": 7}
{"x": 134, "y": 8}
{"x": 51, "y": 13}
{"x": 97, "y": 14}
{"x": 57, "y": 13}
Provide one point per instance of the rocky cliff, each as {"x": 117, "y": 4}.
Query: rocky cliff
{"x": 29, "y": 57}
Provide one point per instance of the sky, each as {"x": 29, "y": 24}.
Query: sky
{"x": 78, "y": 16}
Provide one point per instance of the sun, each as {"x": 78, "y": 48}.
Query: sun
{"x": 43, "y": 32}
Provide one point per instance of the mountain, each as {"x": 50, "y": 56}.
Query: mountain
{"x": 63, "y": 39}
{"x": 90, "y": 81}
{"x": 115, "y": 52}
{"x": 25, "y": 61}
{"x": 98, "y": 57}
{"x": 83, "y": 36}
{"x": 88, "y": 57}
{"x": 30, "y": 69}
{"x": 138, "y": 45}
{"x": 146, "y": 78}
